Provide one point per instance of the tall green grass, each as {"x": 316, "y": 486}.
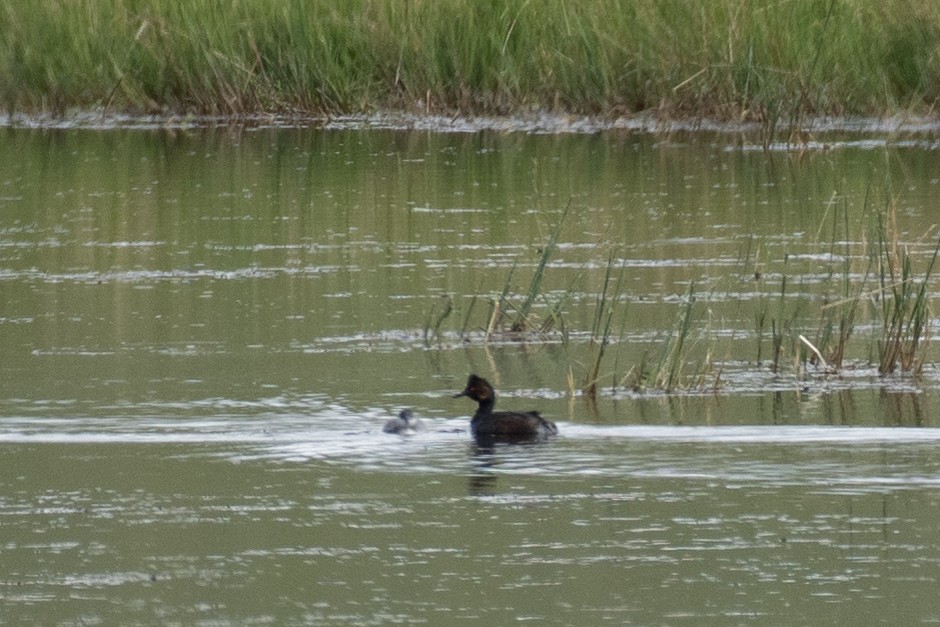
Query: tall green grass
{"x": 770, "y": 61}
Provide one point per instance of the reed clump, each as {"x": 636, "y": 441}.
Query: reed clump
{"x": 519, "y": 321}
{"x": 773, "y": 62}
{"x": 896, "y": 301}
{"x": 905, "y": 311}
{"x": 670, "y": 370}
{"x": 837, "y": 319}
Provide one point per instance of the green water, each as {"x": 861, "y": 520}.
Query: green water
{"x": 203, "y": 332}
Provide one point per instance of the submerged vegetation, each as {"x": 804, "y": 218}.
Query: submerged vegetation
{"x": 891, "y": 299}
{"x": 773, "y": 62}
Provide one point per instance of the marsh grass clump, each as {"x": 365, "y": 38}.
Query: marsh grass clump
{"x": 776, "y": 314}
{"x": 669, "y": 371}
{"x": 519, "y": 321}
{"x": 898, "y": 304}
{"x": 510, "y": 317}
{"x": 905, "y": 311}
{"x": 836, "y": 327}
{"x": 837, "y": 319}
{"x": 666, "y": 374}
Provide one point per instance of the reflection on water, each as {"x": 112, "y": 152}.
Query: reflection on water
{"x": 203, "y": 334}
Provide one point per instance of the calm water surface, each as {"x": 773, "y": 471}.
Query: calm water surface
{"x": 204, "y": 331}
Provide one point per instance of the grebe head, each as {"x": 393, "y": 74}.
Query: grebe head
{"x": 478, "y": 389}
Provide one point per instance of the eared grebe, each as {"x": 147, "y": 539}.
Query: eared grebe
{"x": 405, "y": 423}
{"x": 503, "y": 426}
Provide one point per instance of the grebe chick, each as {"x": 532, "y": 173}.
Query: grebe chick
{"x": 405, "y": 423}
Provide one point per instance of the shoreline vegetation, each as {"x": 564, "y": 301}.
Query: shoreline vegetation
{"x": 771, "y": 64}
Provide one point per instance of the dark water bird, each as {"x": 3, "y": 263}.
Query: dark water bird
{"x": 405, "y": 423}
{"x": 502, "y": 426}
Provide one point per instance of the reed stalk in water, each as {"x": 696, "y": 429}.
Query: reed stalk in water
{"x": 601, "y": 327}
{"x": 433, "y": 323}
{"x": 780, "y": 325}
{"x": 522, "y": 322}
{"x": 837, "y": 319}
{"x": 667, "y": 372}
{"x": 517, "y": 321}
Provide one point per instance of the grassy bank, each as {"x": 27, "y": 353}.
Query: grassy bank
{"x": 767, "y": 61}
